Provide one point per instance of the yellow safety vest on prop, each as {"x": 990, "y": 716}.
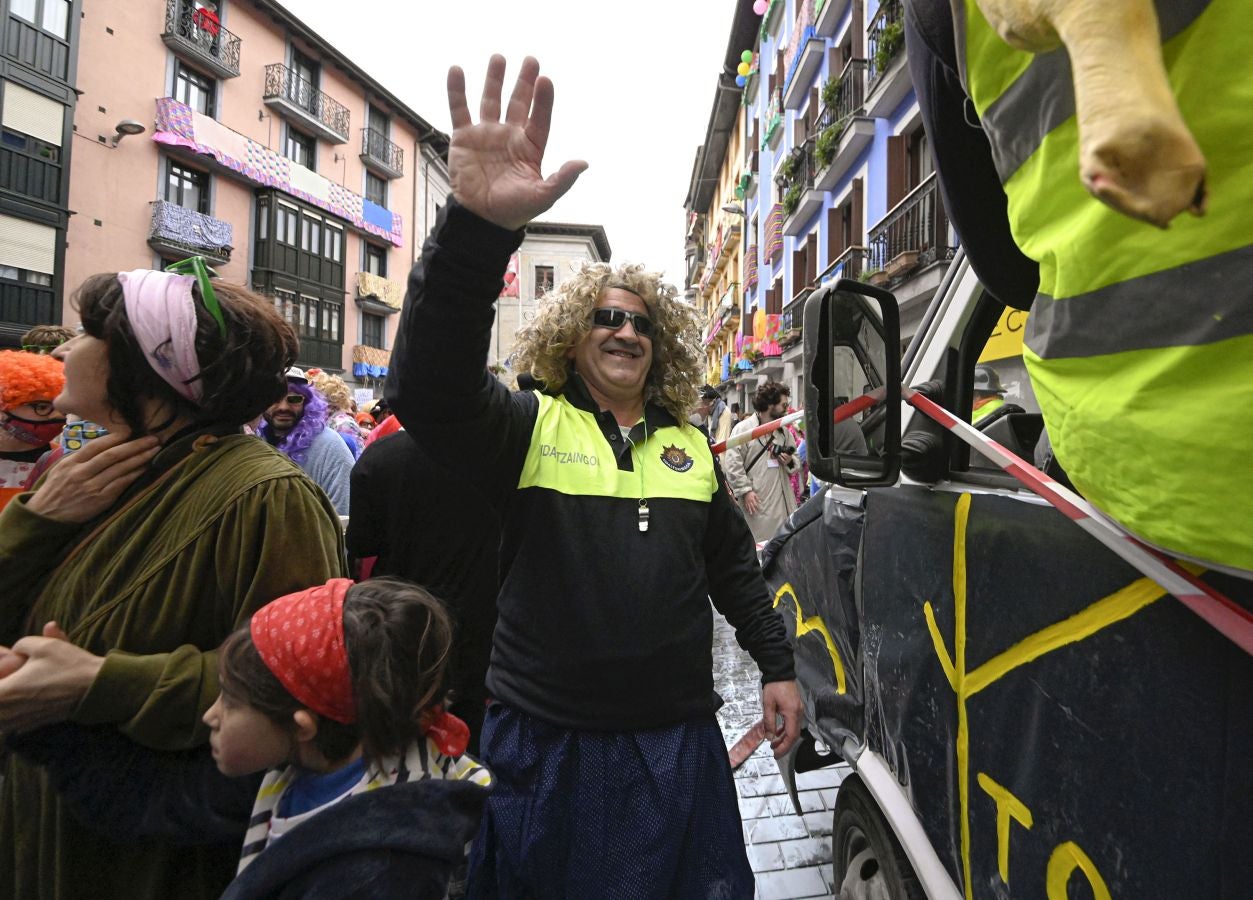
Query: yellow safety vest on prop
{"x": 1140, "y": 342}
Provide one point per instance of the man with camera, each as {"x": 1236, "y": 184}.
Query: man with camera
{"x": 759, "y": 471}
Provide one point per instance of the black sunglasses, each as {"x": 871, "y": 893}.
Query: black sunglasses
{"x": 613, "y": 319}
{"x": 294, "y": 399}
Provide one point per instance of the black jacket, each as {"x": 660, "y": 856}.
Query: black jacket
{"x": 401, "y": 841}
{"x": 599, "y": 628}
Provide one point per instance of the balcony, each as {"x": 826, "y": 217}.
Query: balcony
{"x": 806, "y": 65}
{"x": 912, "y": 235}
{"x": 725, "y": 316}
{"x": 828, "y": 17}
{"x": 378, "y": 294}
{"x": 297, "y": 100}
{"x": 796, "y": 186}
{"x": 844, "y": 131}
{"x": 888, "y": 80}
{"x": 177, "y": 231}
{"x": 381, "y": 155}
{"x": 197, "y": 37}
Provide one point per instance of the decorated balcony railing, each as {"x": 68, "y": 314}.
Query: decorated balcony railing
{"x": 296, "y": 98}
{"x": 197, "y": 36}
{"x": 182, "y": 130}
{"x": 381, "y": 155}
{"x": 178, "y": 231}
{"x": 773, "y": 119}
{"x": 914, "y": 233}
{"x": 384, "y": 290}
{"x": 370, "y": 362}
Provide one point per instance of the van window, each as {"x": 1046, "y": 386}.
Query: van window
{"x": 1001, "y": 380}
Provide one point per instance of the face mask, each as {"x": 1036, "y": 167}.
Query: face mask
{"x": 30, "y": 431}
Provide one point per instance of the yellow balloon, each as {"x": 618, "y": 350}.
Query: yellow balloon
{"x": 743, "y": 68}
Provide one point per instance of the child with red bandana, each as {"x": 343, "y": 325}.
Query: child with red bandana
{"x": 335, "y": 691}
{"x": 28, "y": 421}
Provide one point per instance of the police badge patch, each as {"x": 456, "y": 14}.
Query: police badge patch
{"x": 676, "y": 458}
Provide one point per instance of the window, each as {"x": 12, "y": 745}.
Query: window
{"x": 375, "y": 189}
{"x": 302, "y": 87}
{"x": 187, "y": 188}
{"x": 372, "y": 330}
{"x": 288, "y": 307}
{"x": 311, "y": 234}
{"x": 193, "y": 89}
{"x": 54, "y": 17}
{"x": 31, "y": 146}
{"x": 377, "y": 120}
{"x": 375, "y": 262}
{"x": 286, "y": 220}
{"x": 299, "y": 148}
{"x": 543, "y": 280}
{"x": 12, "y": 273}
{"x": 918, "y": 151}
{"x": 334, "y": 249}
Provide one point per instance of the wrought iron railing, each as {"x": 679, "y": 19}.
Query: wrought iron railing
{"x": 913, "y": 233}
{"x": 796, "y": 176}
{"x": 849, "y": 264}
{"x": 850, "y": 100}
{"x": 202, "y": 33}
{"x": 885, "y": 39}
{"x": 376, "y": 146}
{"x": 281, "y": 81}
{"x": 185, "y": 229}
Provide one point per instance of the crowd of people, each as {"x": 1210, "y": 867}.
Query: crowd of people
{"x": 198, "y": 699}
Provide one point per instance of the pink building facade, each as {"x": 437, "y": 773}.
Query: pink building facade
{"x": 266, "y": 151}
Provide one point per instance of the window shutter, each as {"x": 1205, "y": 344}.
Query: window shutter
{"x": 33, "y": 114}
{"x": 858, "y": 29}
{"x": 811, "y": 258}
{"x": 27, "y": 245}
{"x": 835, "y": 234}
{"x": 898, "y": 161}
{"x": 858, "y": 236}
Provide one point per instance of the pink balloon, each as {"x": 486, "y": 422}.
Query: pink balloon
{"x": 760, "y": 7}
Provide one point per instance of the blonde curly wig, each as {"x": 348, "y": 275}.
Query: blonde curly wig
{"x": 332, "y": 387}
{"x": 564, "y": 318}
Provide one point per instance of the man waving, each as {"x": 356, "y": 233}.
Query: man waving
{"x": 617, "y": 530}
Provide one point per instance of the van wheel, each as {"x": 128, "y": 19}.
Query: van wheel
{"x": 869, "y": 861}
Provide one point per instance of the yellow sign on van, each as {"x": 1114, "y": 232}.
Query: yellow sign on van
{"x": 1006, "y": 339}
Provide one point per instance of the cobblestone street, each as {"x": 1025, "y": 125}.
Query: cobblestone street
{"x": 790, "y": 854}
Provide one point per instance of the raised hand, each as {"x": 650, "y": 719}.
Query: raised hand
{"x": 494, "y": 166}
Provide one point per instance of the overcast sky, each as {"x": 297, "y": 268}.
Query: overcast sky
{"x": 634, "y": 85}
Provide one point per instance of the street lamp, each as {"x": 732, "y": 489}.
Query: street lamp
{"x": 733, "y": 208}
{"x": 124, "y": 128}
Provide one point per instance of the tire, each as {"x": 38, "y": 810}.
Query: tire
{"x": 869, "y": 863}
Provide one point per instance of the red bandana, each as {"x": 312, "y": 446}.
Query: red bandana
{"x": 301, "y": 640}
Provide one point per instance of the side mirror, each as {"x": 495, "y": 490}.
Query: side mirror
{"x": 852, "y": 335}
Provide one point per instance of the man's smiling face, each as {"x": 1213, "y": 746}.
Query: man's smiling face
{"x": 615, "y": 364}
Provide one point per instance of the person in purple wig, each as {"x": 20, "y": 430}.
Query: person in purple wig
{"x": 296, "y": 426}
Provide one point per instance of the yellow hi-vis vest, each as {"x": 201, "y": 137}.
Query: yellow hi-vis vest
{"x": 1140, "y": 342}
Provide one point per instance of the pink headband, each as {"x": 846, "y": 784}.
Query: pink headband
{"x": 301, "y": 640}
{"x": 162, "y": 314}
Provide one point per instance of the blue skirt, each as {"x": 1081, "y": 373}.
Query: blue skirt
{"x": 583, "y": 814}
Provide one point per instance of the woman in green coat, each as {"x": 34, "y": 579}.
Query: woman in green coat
{"x": 146, "y": 548}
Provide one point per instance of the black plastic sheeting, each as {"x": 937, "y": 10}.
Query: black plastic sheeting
{"x": 1127, "y": 745}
